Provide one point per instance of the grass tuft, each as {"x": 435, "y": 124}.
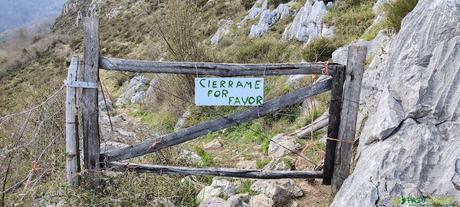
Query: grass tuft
{"x": 396, "y": 11}
{"x": 350, "y": 19}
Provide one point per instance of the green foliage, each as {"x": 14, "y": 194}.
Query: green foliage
{"x": 372, "y": 32}
{"x": 260, "y": 50}
{"x": 161, "y": 121}
{"x": 261, "y": 163}
{"x": 351, "y": 19}
{"x": 245, "y": 187}
{"x": 288, "y": 162}
{"x": 320, "y": 144}
{"x": 320, "y": 49}
{"x": 396, "y": 11}
{"x": 207, "y": 159}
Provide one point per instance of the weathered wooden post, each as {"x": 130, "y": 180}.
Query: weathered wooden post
{"x": 89, "y": 104}
{"x": 72, "y": 162}
{"x": 349, "y": 114}
{"x": 335, "y": 109}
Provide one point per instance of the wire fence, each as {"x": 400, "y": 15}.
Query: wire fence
{"x": 32, "y": 145}
{"x": 31, "y": 148}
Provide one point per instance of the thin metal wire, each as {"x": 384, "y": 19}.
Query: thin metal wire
{"x": 33, "y": 108}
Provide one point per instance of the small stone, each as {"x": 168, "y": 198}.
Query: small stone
{"x": 208, "y": 192}
{"x": 277, "y": 164}
{"x": 279, "y": 191}
{"x": 226, "y": 186}
{"x": 189, "y": 156}
{"x": 125, "y": 133}
{"x": 213, "y": 145}
{"x": 212, "y": 202}
{"x": 261, "y": 200}
{"x": 276, "y": 151}
{"x": 240, "y": 200}
{"x": 118, "y": 118}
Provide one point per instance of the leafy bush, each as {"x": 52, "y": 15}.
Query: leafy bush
{"x": 396, "y": 11}
{"x": 320, "y": 49}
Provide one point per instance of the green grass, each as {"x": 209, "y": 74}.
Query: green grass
{"x": 245, "y": 187}
{"x": 262, "y": 50}
{"x": 207, "y": 159}
{"x": 372, "y": 32}
{"x": 396, "y": 11}
{"x": 320, "y": 49}
{"x": 261, "y": 163}
{"x": 288, "y": 162}
{"x": 160, "y": 121}
{"x": 351, "y": 19}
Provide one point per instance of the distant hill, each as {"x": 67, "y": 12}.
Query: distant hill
{"x": 16, "y": 13}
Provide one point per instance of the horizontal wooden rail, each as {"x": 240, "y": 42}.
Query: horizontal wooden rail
{"x": 193, "y": 132}
{"x": 225, "y": 172}
{"x": 216, "y": 69}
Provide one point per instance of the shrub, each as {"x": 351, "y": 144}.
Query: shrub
{"x": 396, "y": 11}
{"x": 320, "y": 49}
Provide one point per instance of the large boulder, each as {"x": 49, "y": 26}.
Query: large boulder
{"x": 135, "y": 91}
{"x": 308, "y": 23}
{"x": 269, "y": 18}
{"x": 257, "y": 9}
{"x": 282, "y": 145}
{"x": 408, "y": 145}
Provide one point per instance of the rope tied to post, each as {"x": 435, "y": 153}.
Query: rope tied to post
{"x": 325, "y": 70}
{"x": 341, "y": 140}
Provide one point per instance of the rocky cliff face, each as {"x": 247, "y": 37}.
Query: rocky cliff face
{"x": 410, "y": 135}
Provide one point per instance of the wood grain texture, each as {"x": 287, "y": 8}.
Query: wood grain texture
{"x": 71, "y": 138}
{"x": 349, "y": 114}
{"x": 184, "y": 135}
{"x": 216, "y": 69}
{"x": 335, "y": 109}
{"x": 225, "y": 172}
{"x": 89, "y": 104}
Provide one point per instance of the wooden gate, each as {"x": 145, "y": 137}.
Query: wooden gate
{"x": 345, "y": 87}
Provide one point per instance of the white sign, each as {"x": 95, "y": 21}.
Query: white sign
{"x": 229, "y": 91}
